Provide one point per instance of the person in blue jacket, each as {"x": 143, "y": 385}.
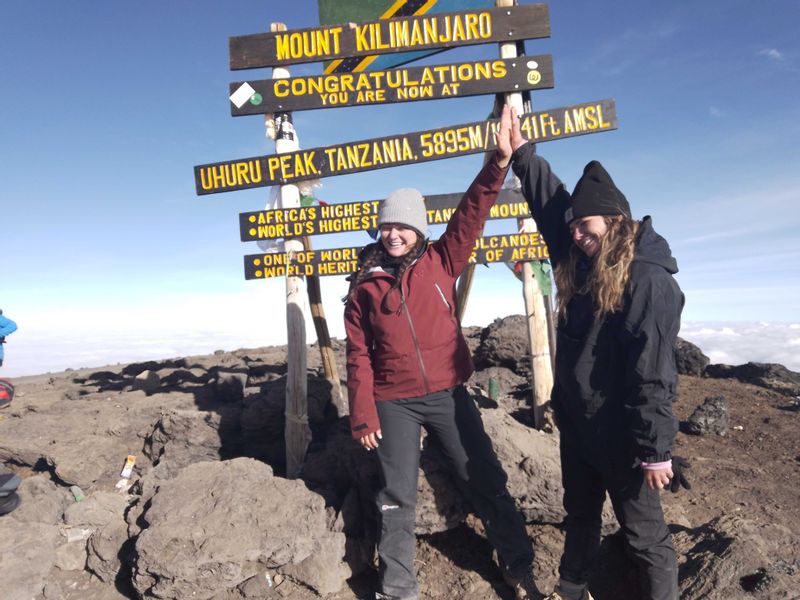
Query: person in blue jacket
{"x": 7, "y": 327}
{"x": 615, "y": 378}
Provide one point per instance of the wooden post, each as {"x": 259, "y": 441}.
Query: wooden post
{"x": 541, "y": 364}
{"x": 551, "y": 329}
{"x": 548, "y": 298}
{"x": 296, "y": 432}
{"x": 324, "y": 339}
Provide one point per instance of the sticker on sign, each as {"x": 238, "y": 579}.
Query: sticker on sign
{"x": 243, "y": 93}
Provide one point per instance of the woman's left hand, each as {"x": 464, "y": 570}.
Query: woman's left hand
{"x": 657, "y": 479}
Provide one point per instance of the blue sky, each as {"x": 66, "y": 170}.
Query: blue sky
{"x": 108, "y": 255}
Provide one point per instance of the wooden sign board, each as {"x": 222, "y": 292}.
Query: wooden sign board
{"x": 425, "y": 32}
{"x": 392, "y": 151}
{"x": 359, "y": 216}
{"x": 342, "y": 261}
{"x": 404, "y": 84}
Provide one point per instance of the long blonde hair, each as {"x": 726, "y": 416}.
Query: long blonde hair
{"x": 610, "y": 272}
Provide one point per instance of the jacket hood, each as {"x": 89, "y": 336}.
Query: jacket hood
{"x": 654, "y": 249}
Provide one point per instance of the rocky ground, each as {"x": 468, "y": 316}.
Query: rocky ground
{"x": 207, "y": 512}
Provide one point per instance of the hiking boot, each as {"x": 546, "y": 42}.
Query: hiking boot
{"x": 9, "y": 503}
{"x": 380, "y": 596}
{"x": 524, "y": 587}
{"x": 6, "y": 393}
{"x": 556, "y": 596}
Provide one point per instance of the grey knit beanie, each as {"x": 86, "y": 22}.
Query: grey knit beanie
{"x": 405, "y": 206}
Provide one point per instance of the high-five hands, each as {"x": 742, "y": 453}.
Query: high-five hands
{"x": 502, "y": 138}
{"x": 508, "y": 136}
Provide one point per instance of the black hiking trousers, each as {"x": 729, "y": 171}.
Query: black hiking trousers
{"x": 453, "y": 419}
{"x": 638, "y": 510}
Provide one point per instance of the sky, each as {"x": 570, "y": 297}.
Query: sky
{"x": 108, "y": 255}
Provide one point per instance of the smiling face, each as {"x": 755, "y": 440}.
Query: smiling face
{"x": 587, "y": 233}
{"x": 397, "y": 239}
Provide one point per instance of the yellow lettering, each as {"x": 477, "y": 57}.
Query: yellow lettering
{"x": 388, "y": 150}
{"x": 376, "y": 32}
{"x": 603, "y": 124}
{"x": 591, "y": 118}
{"x": 568, "y": 128}
{"x": 282, "y": 47}
{"x": 241, "y": 173}
{"x": 336, "y": 31}
{"x": 407, "y": 153}
{"x": 281, "y": 88}
{"x": 352, "y": 155}
{"x": 429, "y": 30}
{"x": 417, "y": 37}
{"x": 475, "y": 137}
{"x": 458, "y": 31}
{"x": 361, "y": 38}
{"x": 365, "y": 162}
{"x": 273, "y": 164}
{"x": 398, "y": 30}
{"x": 485, "y": 23}
{"x": 308, "y": 163}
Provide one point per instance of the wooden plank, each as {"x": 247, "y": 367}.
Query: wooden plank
{"x": 342, "y": 261}
{"x": 358, "y": 216}
{"x": 387, "y": 36}
{"x": 392, "y": 151}
{"x": 406, "y": 84}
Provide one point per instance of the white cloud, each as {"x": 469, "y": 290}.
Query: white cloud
{"x": 738, "y": 343}
{"x": 75, "y": 335}
{"x": 715, "y": 112}
{"x": 168, "y": 326}
{"x": 771, "y": 53}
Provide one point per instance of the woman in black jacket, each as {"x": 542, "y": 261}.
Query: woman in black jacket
{"x": 615, "y": 378}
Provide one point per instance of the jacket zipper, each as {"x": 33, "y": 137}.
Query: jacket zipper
{"x": 441, "y": 293}
{"x": 414, "y": 338}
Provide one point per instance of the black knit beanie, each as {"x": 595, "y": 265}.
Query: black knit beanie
{"x": 596, "y": 194}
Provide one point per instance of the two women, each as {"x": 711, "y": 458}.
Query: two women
{"x": 615, "y": 376}
{"x": 407, "y": 361}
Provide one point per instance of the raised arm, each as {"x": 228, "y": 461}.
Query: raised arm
{"x": 467, "y": 221}
{"x": 546, "y": 195}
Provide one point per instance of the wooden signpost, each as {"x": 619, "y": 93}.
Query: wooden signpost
{"x": 342, "y": 261}
{"x": 392, "y": 151}
{"x": 541, "y": 376}
{"x": 426, "y": 32}
{"x": 404, "y": 84}
{"x": 352, "y": 47}
{"x": 358, "y": 216}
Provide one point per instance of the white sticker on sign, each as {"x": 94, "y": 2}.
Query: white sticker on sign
{"x": 242, "y": 95}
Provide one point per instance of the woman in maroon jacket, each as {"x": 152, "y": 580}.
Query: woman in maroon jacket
{"x": 407, "y": 361}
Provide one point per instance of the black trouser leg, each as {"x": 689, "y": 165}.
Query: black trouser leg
{"x": 638, "y": 510}
{"x": 584, "y": 495}
{"x": 455, "y": 421}
{"x": 398, "y": 453}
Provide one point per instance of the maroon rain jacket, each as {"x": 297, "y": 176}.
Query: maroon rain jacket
{"x": 409, "y": 343}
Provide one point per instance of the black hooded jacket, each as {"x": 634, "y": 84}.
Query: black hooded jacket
{"x": 615, "y": 378}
